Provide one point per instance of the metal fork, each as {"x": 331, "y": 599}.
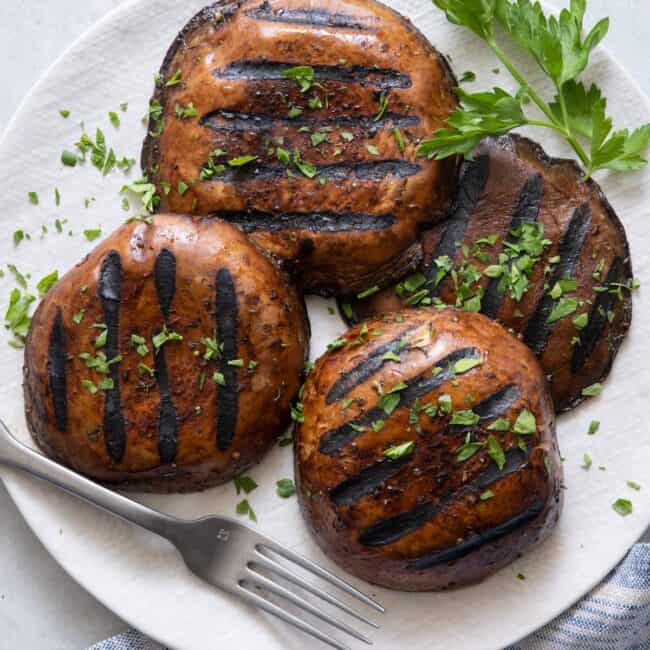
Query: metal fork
{"x": 219, "y": 550}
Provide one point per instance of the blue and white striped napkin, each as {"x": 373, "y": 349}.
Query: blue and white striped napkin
{"x": 614, "y": 616}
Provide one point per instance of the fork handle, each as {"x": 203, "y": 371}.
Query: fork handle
{"x": 17, "y": 455}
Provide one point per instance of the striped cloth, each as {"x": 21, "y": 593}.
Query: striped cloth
{"x": 614, "y": 616}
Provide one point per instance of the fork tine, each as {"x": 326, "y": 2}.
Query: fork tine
{"x": 296, "y": 580}
{"x": 275, "y": 610}
{"x": 308, "y": 565}
{"x": 258, "y": 580}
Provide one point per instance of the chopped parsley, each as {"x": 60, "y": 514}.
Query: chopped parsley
{"x": 399, "y": 138}
{"x": 592, "y": 391}
{"x": 185, "y": 112}
{"x": 623, "y": 507}
{"x": 175, "y": 79}
{"x": 465, "y": 365}
{"x": 244, "y": 508}
{"x": 303, "y": 75}
{"x": 285, "y": 488}
{"x": 114, "y": 119}
{"x": 495, "y": 451}
{"x": 47, "y": 282}
{"x": 399, "y": 451}
{"x": 383, "y": 106}
{"x": 241, "y": 161}
{"x": 525, "y": 424}
{"x": 244, "y": 483}
{"x": 594, "y": 426}
{"x": 93, "y": 234}
{"x": 33, "y": 198}
{"x": 466, "y": 417}
{"x": 164, "y": 337}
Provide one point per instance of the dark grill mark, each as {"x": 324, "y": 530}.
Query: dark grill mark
{"x": 538, "y": 330}
{"x": 367, "y": 170}
{"x": 167, "y": 419}
{"x": 165, "y": 281}
{"x": 390, "y": 530}
{"x": 367, "y": 481}
{"x": 476, "y": 540}
{"x": 366, "y": 368}
{"x": 526, "y": 211}
{"x": 308, "y": 16}
{"x": 56, "y": 371}
{"x": 498, "y": 403}
{"x": 604, "y": 303}
{"x": 227, "y": 325}
{"x": 334, "y": 440}
{"x": 110, "y": 289}
{"x": 472, "y": 185}
{"x": 383, "y": 78}
{"x": 253, "y": 220}
{"x": 221, "y": 120}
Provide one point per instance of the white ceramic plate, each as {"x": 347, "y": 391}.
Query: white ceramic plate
{"x": 140, "y": 577}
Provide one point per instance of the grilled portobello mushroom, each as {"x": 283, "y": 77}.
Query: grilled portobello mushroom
{"x": 533, "y": 245}
{"x": 427, "y": 457}
{"x": 113, "y": 392}
{"x": 299, "y": 122}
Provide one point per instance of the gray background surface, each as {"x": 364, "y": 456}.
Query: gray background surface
{"x": 40, "y": 606}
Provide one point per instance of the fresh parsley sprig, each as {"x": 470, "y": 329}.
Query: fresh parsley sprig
{"x": 557, "y": 45}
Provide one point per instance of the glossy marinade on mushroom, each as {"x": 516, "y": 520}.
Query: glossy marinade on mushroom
{"x": 167, "y": 359}
{"x": 533, "y": 245}
{"x": 300, "y": 122}
{"x": 427, "y": 455}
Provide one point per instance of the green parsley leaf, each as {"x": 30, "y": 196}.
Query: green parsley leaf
{"x": 367, "y": 293}
{"x": 164, "y": 337}
{"x": 90, "y": 386}
{"x": 175, "y": 79}
{"x": 465, "y": 365}
{"x": 64, "y": 113}
{"x": 303, "y": 75}
{"x": 383, "y": 106}
{"x": 33, "y": 198}
{"x": 623, "y": 507}
{"x": 185, "y": 112}
{"x": 244, "y": 508}
{"x": 592, "y": 391}
{"x": 372, "y": 150}
{"x": 69, "y": 159}
{"x": 594, "y": 426}
{"x": 399, "y": 451}
{"x": 245, "y": 483}
{"x": 285, "y": 488}
{"x": 47, "y": 282}
{"x": 114, "y": 119}
{"x": 91, "y": 235}
{"x": 495, "y": 451}
{"x": 467, "y": 77}
{"x": 633, "y": 485}
{"x": 525, "y": 424}
{"x": 562, "y": 308}
{"x": 587, "y": 461}
{"x": 219, "y": 379}
{"x": 466, "y": 417}
{"x": 17, "y": 318}
{"x": 467, "y": 450}
{"x": 306, "y": 168}
{"x": 581, "y": 321}
{"x": 241, "y": 161}
{"x": 488, "y": 494}
{"x": 502, "y": 424}
{"x": 79, "y": 316}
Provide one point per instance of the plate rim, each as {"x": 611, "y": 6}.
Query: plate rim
{"x": 7, "y": 474}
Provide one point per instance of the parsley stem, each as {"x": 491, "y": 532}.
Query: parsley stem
{"x": 543, "y": 106}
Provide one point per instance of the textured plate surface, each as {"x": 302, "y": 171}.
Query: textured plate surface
{"x": 140, "y": 577}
